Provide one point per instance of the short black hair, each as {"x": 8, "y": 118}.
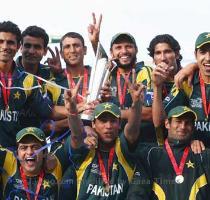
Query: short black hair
{"x": 35, "y": 31}
{"x": 72, "y": 35}
{"x": 165, "y": 38}
{"x": 10, "y": 27}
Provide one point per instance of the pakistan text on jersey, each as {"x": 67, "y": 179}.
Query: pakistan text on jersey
{"x": 8, "y": 116}
{"x": 202, "y": 125}
{"x": 100, "y": 190}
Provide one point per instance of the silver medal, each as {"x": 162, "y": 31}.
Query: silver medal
{"x": 179, "y": 179}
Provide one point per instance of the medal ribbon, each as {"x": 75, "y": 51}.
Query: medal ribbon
{"x": 25, "y": 183}
{"x": 84, "y": 86}
{"x": 122, "y": 94}
{"x": 206, "y": 104}
{"x": 105, "y": 176}
{"x": 6, "y": 92}
{"x": 178, "y": 169}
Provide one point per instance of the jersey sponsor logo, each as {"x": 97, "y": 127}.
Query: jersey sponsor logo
{"x": 149, "y": 95}
{"x": 168, "y": 99}
{"x": 202, "y": 126}
{"x": 98, "y": 190}
{"x": 196, "y": 103}
{"x": 114, "y": 91}
{"x": 137, "y": 173}
{"x": 95, "y": 169}
{"x": 8, "y": 116}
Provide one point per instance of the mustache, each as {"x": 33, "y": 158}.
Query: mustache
{"x": 5, "y": 50}
{"x": 133, "y": 61}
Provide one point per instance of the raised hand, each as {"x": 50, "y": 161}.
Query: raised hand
{"x": 94, "y": 30}
{"x": 161, "y": 73}
{"x": 137, "y": 92}
{"x": 54, "y": 62}
{"x": 70, "y": 98}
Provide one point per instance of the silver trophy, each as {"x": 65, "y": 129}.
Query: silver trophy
{"x": 99, "y": 75}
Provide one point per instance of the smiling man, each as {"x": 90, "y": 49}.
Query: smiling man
{"x": 175, "y": 171}
{"x": 105, "y": 172}
{"x": 195, "y": 96}
{"x": 24, "y": 175}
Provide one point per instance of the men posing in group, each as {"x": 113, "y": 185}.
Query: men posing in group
{"x": 18, "y": 88}
{"x": 105, "y": 172}
{"x": 195, "y": 96}
{"x": 175, "y": 171}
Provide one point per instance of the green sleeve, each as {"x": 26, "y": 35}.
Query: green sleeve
{"x": 176, "y": 97}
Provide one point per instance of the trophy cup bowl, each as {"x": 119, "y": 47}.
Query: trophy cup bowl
{"x": 98, "y": 77}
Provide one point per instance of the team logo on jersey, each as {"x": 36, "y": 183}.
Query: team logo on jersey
{"x": 115, "y": 167}
{"x": 196, "y": 103}
{"x": 46, "y": 184}
{"x": 190, "y": 164}
{"x": 17, "y": 95}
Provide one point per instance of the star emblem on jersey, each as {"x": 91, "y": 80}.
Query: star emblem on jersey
{"x": 114, "y": 167}
{"x": 208, "y": 35}
{"x": 46, "y": 184}
{"x": 17, "y": 95}
{"x": 190, "y": 164}
{"x": 107, "y": 106}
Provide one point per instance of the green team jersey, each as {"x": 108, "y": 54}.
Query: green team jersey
{"x": 162, "y": 174}
{"x": 13, "y": 188}
{"x": 114, "y": 88}
{"x": 89, "y": 180}
{"x": 148, "y": 132}
{"x": 68, "y": 186}
{"x": 18, "y": 99}
{"x": 63, "y": 81}
{"x": 27, "y": 116}
{"x": 191, "y": 97}
{"x": 143, "y": 75}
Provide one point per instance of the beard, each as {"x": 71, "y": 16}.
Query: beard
{"x": 126, "y": 66}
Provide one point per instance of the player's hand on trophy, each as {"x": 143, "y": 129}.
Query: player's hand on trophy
{"x": 54, "y": 62}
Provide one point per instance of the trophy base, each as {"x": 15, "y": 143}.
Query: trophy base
{"x": 86, "y": 117}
